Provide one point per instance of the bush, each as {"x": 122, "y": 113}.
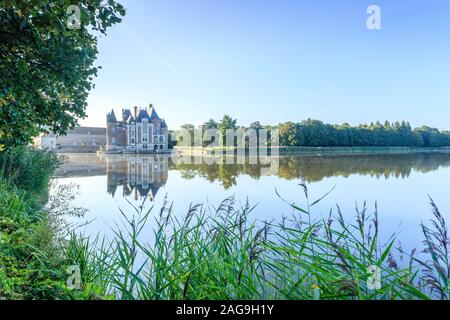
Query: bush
{"x": 30, "y": 260}
{"x": 28, "y": 169}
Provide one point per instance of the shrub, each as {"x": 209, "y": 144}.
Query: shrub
{"x": 30, "y": 260}
{"x": 28, "y": 169}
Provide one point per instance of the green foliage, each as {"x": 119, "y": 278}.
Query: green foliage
{"x": 314, "y": 133}
{"x": 46, "y": 68}
{"x": 172, "y": 140}
{"x": 27, "y": 168}
{"x": 210, "y": 124}
{"x": 227, "y": 123}
{"x": 30, "y": 261}
{"x": 186, "y": 136}
{"x": 432, "y": 137}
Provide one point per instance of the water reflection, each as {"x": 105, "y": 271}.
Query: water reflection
{"x": 141, "y": 175}
{"x": 316, "y": 168}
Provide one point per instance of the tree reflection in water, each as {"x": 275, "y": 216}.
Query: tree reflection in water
{"x": 144, "y": 175}
{"x": 316, "y": 168}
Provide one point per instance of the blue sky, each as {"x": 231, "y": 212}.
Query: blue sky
{"x": 276, "y": 61}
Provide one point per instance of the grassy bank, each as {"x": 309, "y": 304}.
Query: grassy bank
{"x": 30, "y": 261}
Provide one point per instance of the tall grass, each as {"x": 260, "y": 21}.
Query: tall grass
{"x": 30, "y": 258}
{"x": 222, "y": 253}
{"x": 201, "y": 256}
{"x": 28, "y": 169}
{"x": 436, "y": 270}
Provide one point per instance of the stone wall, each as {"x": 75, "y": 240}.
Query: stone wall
{"x": 73, "y": 140}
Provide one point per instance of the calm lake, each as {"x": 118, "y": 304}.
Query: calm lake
{"x": 399, "y": 183}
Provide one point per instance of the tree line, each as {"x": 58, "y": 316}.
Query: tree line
{"x": 315, "y": 133}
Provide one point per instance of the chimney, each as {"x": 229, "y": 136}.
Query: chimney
{"x": 135, "y": 111}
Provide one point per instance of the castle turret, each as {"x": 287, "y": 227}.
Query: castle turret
{"x": 111, "y": 117}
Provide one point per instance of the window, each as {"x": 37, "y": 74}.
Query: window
{"x": 144, "y": 125}
{"x": 161, "y": 147}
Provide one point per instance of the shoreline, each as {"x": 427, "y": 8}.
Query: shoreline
{"x": 281, "y": 151}
{"x": 314, "y": 151}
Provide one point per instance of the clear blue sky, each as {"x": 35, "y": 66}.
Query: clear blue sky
{"x": 276, "y": 61}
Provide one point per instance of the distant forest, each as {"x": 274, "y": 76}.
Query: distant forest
{"x": 315, "y": 133}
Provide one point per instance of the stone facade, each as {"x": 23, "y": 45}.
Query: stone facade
{"x": 138, "y": 132}
{"x": 79, "y": 138}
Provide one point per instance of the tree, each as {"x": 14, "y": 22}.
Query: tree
{"x": 210, "y": 125}
{"x": 288, "y": 134}
{"x": 433, "y": 137}
{"x": 227, "y": 123}
{"x": 47, "y": 67}
{"x": 256, "y": 125}
{"x": 313, "y": 133}
{"x": 187, "y": 132}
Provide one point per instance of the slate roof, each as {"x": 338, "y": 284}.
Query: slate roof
{"x": 154, "y": 115}
{"x": 143, "y": 114}
{"x": 127, "y": 116}
{"x": 111, "y": 117}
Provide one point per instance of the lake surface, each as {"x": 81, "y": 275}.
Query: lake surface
{"x": 399, "y": 183}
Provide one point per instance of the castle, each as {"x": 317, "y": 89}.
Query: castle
{"x": 138, "y": 132}
{"x": 140, "y": 176}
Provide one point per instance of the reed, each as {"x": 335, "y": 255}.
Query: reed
{"x": 222, "y": 253}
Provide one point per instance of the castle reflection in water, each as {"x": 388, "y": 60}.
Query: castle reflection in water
{"x": 139, "y": 176}
{"x": 143, "y": 175}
